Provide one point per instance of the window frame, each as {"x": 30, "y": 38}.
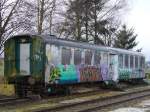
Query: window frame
{"x": 77, "y": 49}
{"x": 103, "y": 58}
{"x": 126, "y": 61}
{"x": 89, "y": 51}
{"x": 136, "y": 62}
{"x": 66, "y": 48}
{"x": 131, "y": 61}
{"x": 97, "y": 53}
{"x": 142, "y": 62}
{"x": 121, "y": 60}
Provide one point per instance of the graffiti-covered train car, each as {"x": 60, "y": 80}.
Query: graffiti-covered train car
{"x": 42, "y": 63}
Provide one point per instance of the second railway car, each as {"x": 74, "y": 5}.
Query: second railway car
{"x": 43, "y": 63}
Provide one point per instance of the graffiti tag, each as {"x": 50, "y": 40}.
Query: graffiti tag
{"x": 89, "y": 74}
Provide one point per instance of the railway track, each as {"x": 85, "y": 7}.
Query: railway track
{"x": 57, "y": 98}
{"x": 59, "y": 103}
{"x": 12, "y": 101}
{"x": 96, "y": 104}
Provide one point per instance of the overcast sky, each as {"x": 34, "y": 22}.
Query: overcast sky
{"x": 138, "y": 17}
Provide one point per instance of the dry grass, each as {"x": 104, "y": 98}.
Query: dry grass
{"x": 1, "y": 79}
{"x": 1, "y": 68}
{"x": 7, "y": 89}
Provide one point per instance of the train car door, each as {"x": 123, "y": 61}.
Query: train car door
{"x": 113, "y": 67}
{"x": 24, "y": 59}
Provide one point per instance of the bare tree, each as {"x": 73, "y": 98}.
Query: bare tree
{"x": 8, "y": 19}
{"x": 42, "y": 12}
{"x": 71, "y": 26}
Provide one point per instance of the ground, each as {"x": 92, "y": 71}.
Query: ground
{"x": 7, "y": 90}
{"x": 143, "y": 106}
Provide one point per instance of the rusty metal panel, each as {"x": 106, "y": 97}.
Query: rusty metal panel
{"x": 9, "y": 60}
{"x": 37, "y": 58}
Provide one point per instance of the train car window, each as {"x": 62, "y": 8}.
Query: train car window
{"x": 97, "y": 58}
{"x": 131, "y": 61}
{"x": 105, "y": 58}
{"x": 136, "y": 62}
{"x": 120, "y": 61}
{"x": 142, "y": 62}
{"x": 52, "y": 53}
{"x": 66, "y": 56}
{"x": 88, "y": 57}
{"x": 77, "y": 57}
{"x": 126, "y": 61}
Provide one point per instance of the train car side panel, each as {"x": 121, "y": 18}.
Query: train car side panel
{"x": 66, "y": 65}
{"x": 131, "y": 67}
{"x": 68, "y": 74}
{"x": 10, "y": 66}
{"x": 37, "y": 59}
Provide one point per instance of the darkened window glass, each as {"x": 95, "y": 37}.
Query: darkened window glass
{"x": 136, "y": 62}
{"x": 105, "y": 58}
{"x": 88, "y": 57}
{"x": 120, "y": 61}
{"x": 77, "y": 57}
{"x": 131, "y": 61}
{"x": 126, "y": 61}
{"x": 142, "y": 62}
{"x": 97, "y": 58}
{"x": 66, "y": 56}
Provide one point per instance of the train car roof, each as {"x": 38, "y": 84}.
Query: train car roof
{"x": 74, "y": 43}
{"x": 124, "y": 51}
{"x": 52, "y": 39}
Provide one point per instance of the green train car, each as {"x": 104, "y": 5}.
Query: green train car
{"x": 44, "y": 63}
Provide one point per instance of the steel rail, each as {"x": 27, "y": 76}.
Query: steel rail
{"x": 12, "y": 101}
{"x": 90, "y": 105}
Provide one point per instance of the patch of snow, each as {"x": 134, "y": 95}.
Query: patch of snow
{"x": 76, "y": 100}
{"x": 129, "y": 109}
{"x": 145, "y": 103}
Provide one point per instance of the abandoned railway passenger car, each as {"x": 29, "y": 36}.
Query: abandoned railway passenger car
{"x": 44, "y": 63}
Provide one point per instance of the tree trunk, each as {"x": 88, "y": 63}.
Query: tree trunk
{"x": 40, "y": 16}
{"x": 86, "y": 20}
{"x": 95, "y": 25}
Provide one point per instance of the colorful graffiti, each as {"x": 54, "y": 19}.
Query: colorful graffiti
{"x": 124, "y": 73}
{"x": 131, "y": 73}
{"x": 90, "y": 73}
{"x": 104, "y": 71}
{"x": 68, "y": 74}
{"x": 54, "y": 74}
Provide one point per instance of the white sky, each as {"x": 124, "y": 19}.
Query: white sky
{"x": 138, "y": 17}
